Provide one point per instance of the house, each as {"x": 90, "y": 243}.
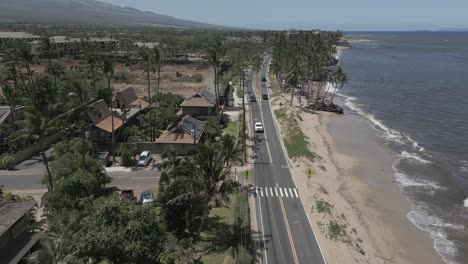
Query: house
{"x": 126, "y": 106}
{"x": 201, "y": 105}
{"x": 185, "y": 132}
{"x": 127, "y": 98}
{"x": 14, "y": 220}
{"x": 101, "y": 116}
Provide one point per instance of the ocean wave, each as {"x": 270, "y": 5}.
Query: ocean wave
{"x": 405, "y": 181}
{"x": 413, "y": 157}
{"x": 437, "y": 229}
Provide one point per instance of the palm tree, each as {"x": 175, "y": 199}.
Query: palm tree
{"x": 36, "y": 126}
{"x": 341, "y": 79}
{"x": 23, "y": 54}
{"x": 91, "y": 62}
{"x": 55, "y": 249}
{"x": 108, "y": 72}
{"x": 11, "y": 98}
{"x": 151, "y": 60}
{"x": 46, "y": 48}
{"x": 215, "y": 52}
{"x": 80, "y": 99}
{"x": 55, "y": 70}
{"x": 209, "y": 181}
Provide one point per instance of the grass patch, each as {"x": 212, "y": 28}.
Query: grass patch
{"x": 227, "y": 238}
{"x": 296, "y": 142}
{"x": 337, "y": 232}
{"x": 232, "y": 129}
{"x": 323, "y": 207}
{"x": 274, "y": 86}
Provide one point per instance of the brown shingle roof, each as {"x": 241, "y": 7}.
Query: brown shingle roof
{"x": 180, "y": 131}
{"x": 129, "y": 99}
{"x": 201, "y": 99}
{"x": 100, "y": 115}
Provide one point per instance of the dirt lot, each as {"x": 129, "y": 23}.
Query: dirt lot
{"x": 185, "y": 85}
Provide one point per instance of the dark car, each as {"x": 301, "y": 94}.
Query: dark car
{"x": 265, "y": 97}
{"x": 264, "y": 79}
{"x": 253, "y": 98}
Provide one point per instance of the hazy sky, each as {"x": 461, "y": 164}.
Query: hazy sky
{"x": 309, "y": 14}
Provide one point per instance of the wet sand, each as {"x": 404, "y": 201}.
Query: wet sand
{"x": 354, "y": 176}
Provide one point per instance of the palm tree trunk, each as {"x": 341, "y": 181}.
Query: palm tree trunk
{"x": 149, "y": 100}
{"x": 46, "y": 163}
{"x": 243, "y": 117}
{"x": 112, "y": 118}
{"x": 292, "y": 96}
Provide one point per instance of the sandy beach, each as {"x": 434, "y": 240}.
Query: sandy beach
{"x": 353, "y": 177}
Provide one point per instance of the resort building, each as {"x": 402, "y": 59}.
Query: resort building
{"x": 8, "y": 37}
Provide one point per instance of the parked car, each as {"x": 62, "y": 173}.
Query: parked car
{"x": 258, "y": 127}
{"x": 265, "y": 97}
{"x": 144, "y": 158}
{"x": 253, "y": 98}
{"x": 146, "y": 197}
{"x": 104, "y": 158}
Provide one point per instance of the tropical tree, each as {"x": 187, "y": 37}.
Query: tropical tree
{"x": 36, "y": 126}
{"x": 55, "y": 249}
{"x": 215, "y": 53}
{"x": 151, "y": 60}
{"x": 10, "y": 97}
{"x": 22, "y": 53}
{"x": 80, "y": 98}
{"x": 55, "y": 70}
{"x": 108, "y": 68}
{"x": 341, "y": 80}
{"x": 46, "y": 48}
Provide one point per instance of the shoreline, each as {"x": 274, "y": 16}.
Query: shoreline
{"x": 372, "y": 210}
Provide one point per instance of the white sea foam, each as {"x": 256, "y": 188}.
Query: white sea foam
{"x": 405, "y": 182}
{"x": 465, "y": 202}
{"x": 437, "y": 228}
{"x": 413, "y": 157}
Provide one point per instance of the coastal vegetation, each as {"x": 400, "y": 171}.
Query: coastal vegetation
{"x": 305, "y": 65}
{"x": 295, "y": 141}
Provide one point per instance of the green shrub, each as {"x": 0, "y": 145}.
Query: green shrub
{"x": 323, "y": 207}
{"x": 127, "y": 152}
{"x": 7, "y": 162}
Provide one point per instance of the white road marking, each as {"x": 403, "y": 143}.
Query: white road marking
{"x": 295, "y": 191}
{"x": 281, "y": 192}
{"x": 266, "y": 192}
{"x": 286, "y": 192}
{"x": 276, "y": 192}
{"x": 271, "y": 190}
{"x": 290, "y": 191}
{"x": 261, "y": 192}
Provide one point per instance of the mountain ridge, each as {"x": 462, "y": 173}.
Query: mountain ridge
{"x": 91, "y": 12}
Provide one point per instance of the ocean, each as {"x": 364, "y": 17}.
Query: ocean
{"x": 413, "y": 89}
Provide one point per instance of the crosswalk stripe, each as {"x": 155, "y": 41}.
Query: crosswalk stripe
{"x": 290, "y": 191}
{"x": 295, "y": 191}
{"x": 271, "y": 191}
{"x": 266, "y": 192}
{"x": 276, "y": 192}
{"x": 286, "y": 192}
{"x": 261, "y": 192}
{"x": 281, "y": 192}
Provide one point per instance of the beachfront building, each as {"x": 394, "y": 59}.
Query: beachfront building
{"x": 8, "y": 37}
{"x": 75, "y": 46}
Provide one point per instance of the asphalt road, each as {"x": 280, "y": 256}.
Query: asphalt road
{"x": 287, "y": 234}
{"x": 26, "y": 179}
